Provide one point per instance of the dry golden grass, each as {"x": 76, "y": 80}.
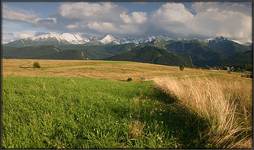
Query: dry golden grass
{"x": 225, "y": 104}
{"x": 118, "y": 70}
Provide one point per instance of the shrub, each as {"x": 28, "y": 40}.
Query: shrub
{"x": 129, "y": 79}
{"x": 181, "y": 67}
{"x": 36, "y": 65}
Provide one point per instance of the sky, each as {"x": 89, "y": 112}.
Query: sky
{"x": 128, "y": 19}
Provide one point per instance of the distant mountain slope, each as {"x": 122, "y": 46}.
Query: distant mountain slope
{"x": 99, "y": 51}
{"x": 240, "y": 59}
{"x": 49, "y": 39}
{"x": 61, "y": 51}
{"x": 41, "y": 52}
{"x": 216, "y": 52}
{"x": 227, "y": 47}
{"x": 199, "y": 52}
{"x": 150, "y": 54}
{"x": 28, "y": 52}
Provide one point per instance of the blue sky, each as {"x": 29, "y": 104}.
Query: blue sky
{"x": 47, "y": 8}
{"x": 184, "y": 20}
{"x": 42, "y": 8}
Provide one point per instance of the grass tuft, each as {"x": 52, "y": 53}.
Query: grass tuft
{"x": 136, "y": 129}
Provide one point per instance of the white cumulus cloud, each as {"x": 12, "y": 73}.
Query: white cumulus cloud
{"x": 134, "y": 17}
{"x": 9, "y": 37}
{"x": 231, "y": 20}
{"x": 104, "y": 17}
{"x": 85, "y": 10}
{"x": 103, "y": 27}
{"x": 173, "y": 17}
{"x": 210, "y": 20}
{"x": 73, "y": 26}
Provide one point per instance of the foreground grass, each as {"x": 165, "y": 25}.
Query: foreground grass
{"x": 58, "y": 112}
{"x": 226, "y": 105}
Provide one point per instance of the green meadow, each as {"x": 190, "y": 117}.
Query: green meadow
{"x": 64, "y": 112}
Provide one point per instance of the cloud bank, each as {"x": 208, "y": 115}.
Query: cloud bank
{"x": 208, "y": 19}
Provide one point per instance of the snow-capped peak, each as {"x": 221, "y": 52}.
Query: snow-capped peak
{"x": 74, "y": 38}
{"x": 239, "y": 42}
{"x": 69, "y": 37}
{"x": 150, "y": 39}
{"x": 45, "y": 36}
{"x": 109, "y": 39}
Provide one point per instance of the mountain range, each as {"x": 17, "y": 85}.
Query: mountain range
{"x": 57, "y": 39}
{"x": 215, "y": 52}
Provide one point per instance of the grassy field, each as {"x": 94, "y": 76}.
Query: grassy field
{"x": 118, "y": 70}
{"x": 89, "y": 104}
